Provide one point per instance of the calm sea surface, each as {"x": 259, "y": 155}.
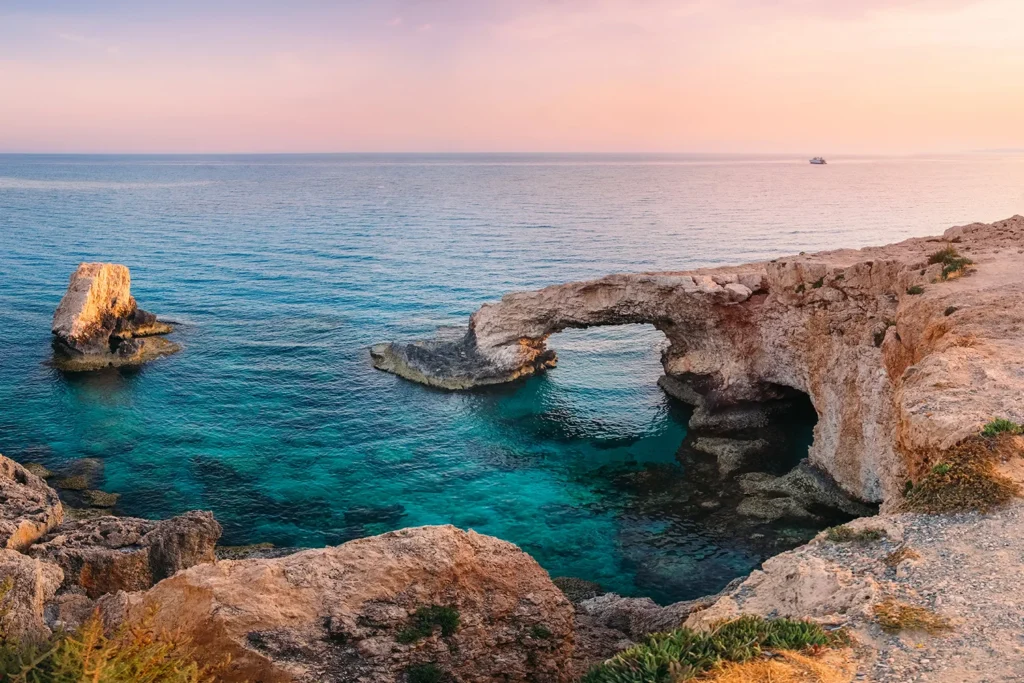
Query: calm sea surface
{"x": 281, "y": 270}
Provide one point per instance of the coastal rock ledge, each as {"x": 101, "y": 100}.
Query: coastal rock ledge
{"x": 902, "y": 356}
{"x": 98, "y": 324}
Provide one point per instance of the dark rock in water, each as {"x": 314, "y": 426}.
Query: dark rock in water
{"x": 375, "y": 514}
{"x": 805, "y": 493}
{"x": 98, "y": 324}
{"x": 108, "y": 554}
{"x": 452, "y": 363}
{"x": 577, "y": 590}
{"x": 733, "y": 455}
{"x": 38, "y": 470}
{"x": 100, "y": 499}
{"x": 76, "y": 482}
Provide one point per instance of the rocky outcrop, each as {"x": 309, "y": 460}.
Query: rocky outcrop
{"x": 107, "y": 554}
{"x": 28, "y": 507}
{"x": 98, "y": 324}
{"x": 25, "y": 586}
{"x": 898, "y": 360}
{"x": 372, "y": 610}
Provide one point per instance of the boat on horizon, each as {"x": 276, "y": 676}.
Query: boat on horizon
{"x": 818, "y": 161}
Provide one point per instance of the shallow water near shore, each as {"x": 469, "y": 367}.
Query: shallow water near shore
{"x": 282, "y": 270}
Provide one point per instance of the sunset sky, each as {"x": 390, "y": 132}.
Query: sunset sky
{"x": 808, "y": 76}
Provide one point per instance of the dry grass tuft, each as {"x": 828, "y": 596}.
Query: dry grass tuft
{"x": 844, "y": 534}
{"x": 788, "y": 667}
{"x": 904, "y": 552}
{"x": 965, "y": 478}
{"x": 895, "y": 616}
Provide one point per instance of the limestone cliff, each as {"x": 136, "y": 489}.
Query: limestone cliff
{"x": 898, "y": 357}
{"x": 98, "y": 324}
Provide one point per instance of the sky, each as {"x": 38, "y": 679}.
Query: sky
{"x": 734, "y": 76}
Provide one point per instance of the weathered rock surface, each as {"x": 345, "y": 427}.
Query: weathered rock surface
{"x": 892, "y": 374}
{"x": 28, "y": 507}
{"x": 335, "y": 614}
{"x": 25, "y": 586}
{"x": 107, "y": 554}
{"x": 98, "y": 324}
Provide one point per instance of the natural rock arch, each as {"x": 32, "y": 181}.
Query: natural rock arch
{"x": 888, "y": 370}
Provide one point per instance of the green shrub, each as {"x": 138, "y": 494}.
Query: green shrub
{"x": 844, "y": 534}
{"x": 818, "y": 283}
{"x": 915, "y": 289}
{"x": 951, "y": 260}
{"x": 424, "y": 673}
{"x": 684, "y": 654}
{"x": 1001, "y": 426}
{"x": 135, "y": 654}
{"x": 540, "y": 632}
{"x": 423, "y": 621}
{"x": 800, "y": 288}
{"x": 950, "y": 310}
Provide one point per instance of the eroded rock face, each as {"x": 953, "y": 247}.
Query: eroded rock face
{"x": 98, "y": 324}
{"x": 28, "y": 507}
{"x": 25, "y": 586}
{"x": 336, "y": 614}
{"x": 107, "y": 554}
{"x": 891, "y": 372}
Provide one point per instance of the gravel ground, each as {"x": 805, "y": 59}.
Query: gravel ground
{"x": 971, "y": 571}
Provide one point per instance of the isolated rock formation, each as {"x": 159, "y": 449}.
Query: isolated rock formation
{"x": 98, "y": 324}
{"x": 28, "y": 507}
{"x": 361, "y": 612}
{"x": 25, "y": 586}
{"x": 108, "y": 554}
{"x": 898, "y": 361}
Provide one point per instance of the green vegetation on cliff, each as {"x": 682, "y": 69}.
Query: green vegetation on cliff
{"x": 684, "y": 654}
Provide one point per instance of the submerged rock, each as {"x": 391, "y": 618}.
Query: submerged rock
{"x": 98, "y": 324}
{"x": 28, "y": 507}
{"x": 107, "y": 554}
{"x": 374, "y": 610}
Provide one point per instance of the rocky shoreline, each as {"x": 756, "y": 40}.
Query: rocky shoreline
{"x": 902, "y": 360}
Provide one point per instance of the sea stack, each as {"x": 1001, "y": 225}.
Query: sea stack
{"x": 98, "y": 324}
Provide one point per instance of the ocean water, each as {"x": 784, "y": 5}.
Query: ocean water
{"x": 281, "y": 270}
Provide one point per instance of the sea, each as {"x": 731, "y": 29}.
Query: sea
{"x": 280, "y": 271}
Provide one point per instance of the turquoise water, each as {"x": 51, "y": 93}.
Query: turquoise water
{"x": 281, "y": 271}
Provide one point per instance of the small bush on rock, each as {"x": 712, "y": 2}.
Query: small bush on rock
{"x": 1001, "y": 425}
{"x": 844, "y": 534}
{"x": 966, "y": 479}
{"x": 425, "y": 673}
{"x": 684, "y": 654}
{"x": 915, "y": 289}
{"x": 423, "y": 621}
{"x": 952, "y": 262}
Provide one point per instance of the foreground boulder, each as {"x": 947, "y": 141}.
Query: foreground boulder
{"x": 415, "y": 602}
{"x": 98, "y": 324}
{"x": 108, "y": 554}
{"x": 28, "y": 507}
{"x": 25, "y": 586}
